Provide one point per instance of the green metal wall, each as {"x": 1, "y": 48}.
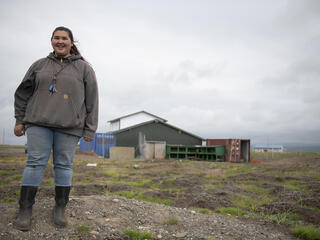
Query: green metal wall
{"x": 155, "y": 131}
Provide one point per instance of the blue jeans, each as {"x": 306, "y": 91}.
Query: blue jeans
{"x": 40, "y": 141}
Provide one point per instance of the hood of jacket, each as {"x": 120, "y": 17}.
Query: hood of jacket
{"x": 71, "y": 58}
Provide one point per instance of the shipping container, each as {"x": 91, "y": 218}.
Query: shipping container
{"x": 100, "y": 145}
{"x": 236, "y": 150}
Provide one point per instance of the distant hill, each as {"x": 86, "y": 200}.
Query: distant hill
{"x": 302, "y": 148}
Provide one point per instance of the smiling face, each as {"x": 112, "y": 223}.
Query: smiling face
{"x": 61, "y": 43}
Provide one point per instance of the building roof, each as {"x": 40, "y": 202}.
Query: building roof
{"x": 117, "y": 119}
{"x": 268, "y": 146}
{"x": 155, "y": 121}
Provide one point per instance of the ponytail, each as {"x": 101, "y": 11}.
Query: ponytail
{"x": 74, "y": 50}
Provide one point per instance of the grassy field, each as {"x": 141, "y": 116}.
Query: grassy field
{"x": 282, "y": 188}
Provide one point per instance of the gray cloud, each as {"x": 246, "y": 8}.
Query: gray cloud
{"x": 215, "y": 68}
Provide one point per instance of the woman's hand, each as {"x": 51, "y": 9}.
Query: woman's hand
{"x": 87, "y": 139}
{"x": 19, "y": 130}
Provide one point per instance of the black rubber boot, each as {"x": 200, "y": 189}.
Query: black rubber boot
{"x": 62, "y": 198}
{"x": 27, "y": 195}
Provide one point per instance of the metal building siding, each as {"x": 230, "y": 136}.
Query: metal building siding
{"x": 155, "y": 131}
{"x": 135, "y": 119}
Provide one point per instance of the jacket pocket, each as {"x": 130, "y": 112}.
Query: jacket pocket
{"x": 57, "y": 110}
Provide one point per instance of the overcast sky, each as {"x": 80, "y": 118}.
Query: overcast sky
{"x": 217, "y": 69}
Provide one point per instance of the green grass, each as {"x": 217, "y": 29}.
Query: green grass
{"x": 7, "y": 199}
{"x": 254, "y": 189}
{"x": 251, "y": 203}
{"x": 5, "y": 172}
{"x": 284, "y": 217}
{"x": 138, "y": 183}
{"x": 83, "y": 228}
{"x": 126, "y": 194}
{"x": 109, "y": 173}
{"x": 203, "y": 210}
{"x": 294, "y": 185}
{"x": 154, "y": 200}
{"x": 232, "y": 211}
{"x": 3, "y": 186}
{"x": 306, "y": 232}
{"x": 170, "y": 181}
{"x": 13, "y": 178}
{"x": 137, "y": 235}
{"x": 172, "y": 221}
{"x": 95, "y": 191}
{"x": 209, "y": 186}
{"x": 312, "y": 208}
{"x": 74, "y": 238}
{"x": 156, "y": 181}
{"x": 279, "y": 156}
{"x": 213, "y": 177}
{"x": 48, "y": 182}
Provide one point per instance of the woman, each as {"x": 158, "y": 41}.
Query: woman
{"x": 56, "y": 104}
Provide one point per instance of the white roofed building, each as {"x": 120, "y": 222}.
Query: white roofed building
{"x": 132, "y": 119}
{"x": 268, "y": 148}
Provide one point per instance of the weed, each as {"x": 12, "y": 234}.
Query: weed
{"x": 13, "y": 178}
{"x": 210, "y": 238}
{"x": 83, "y": 228}
{"x": 306, "y": 232}
{"x": 109, "y": 173}
{"x": 5, "y": 172}
{"x": 154, "y": 200}
{"x": 74, "y": 238}
{"x": 172, "y": 221}
{"x": 154, "y": 186}
{"x": 7, "y": 199}
{"x": 213, "y": 177}
{"x": 138, "y": 183}
{"x": 48, "y": 182}
{"x": 170, "y": 181}
{"x": 284, "y": 217}
{"x": 92, "y": 172}
{"x": 232, "y": 211}
{"x": 296, "y": 186}
{"x": 203, "y": 210}
{"x": 85, "y": 182}
{"x": 96, "y": 191}
{"x": 250, "y": 202}
{"x": 312, "y": 208}
{"x": 137, "y": 235}
{"x": 254, "y": 189}
{"x": 3, "y": 186}
{"x": 201, "y": 174}
{"x": 209, "y": 186}
{"x": 126, "y": 194}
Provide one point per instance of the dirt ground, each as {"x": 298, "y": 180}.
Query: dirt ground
{"x": 99, "y": 206}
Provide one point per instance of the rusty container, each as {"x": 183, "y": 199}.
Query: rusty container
{"x": 236, "y": 150}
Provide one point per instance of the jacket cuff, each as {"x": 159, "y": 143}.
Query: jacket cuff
{"x": 19, "y": 122}
{"x": 88, "y": 133}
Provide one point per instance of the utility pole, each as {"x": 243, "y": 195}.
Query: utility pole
{"x": 103, "y": 136}
{"x": 3, "y": 136}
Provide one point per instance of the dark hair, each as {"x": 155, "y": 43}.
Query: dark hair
{"x": 74, "y": 50}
